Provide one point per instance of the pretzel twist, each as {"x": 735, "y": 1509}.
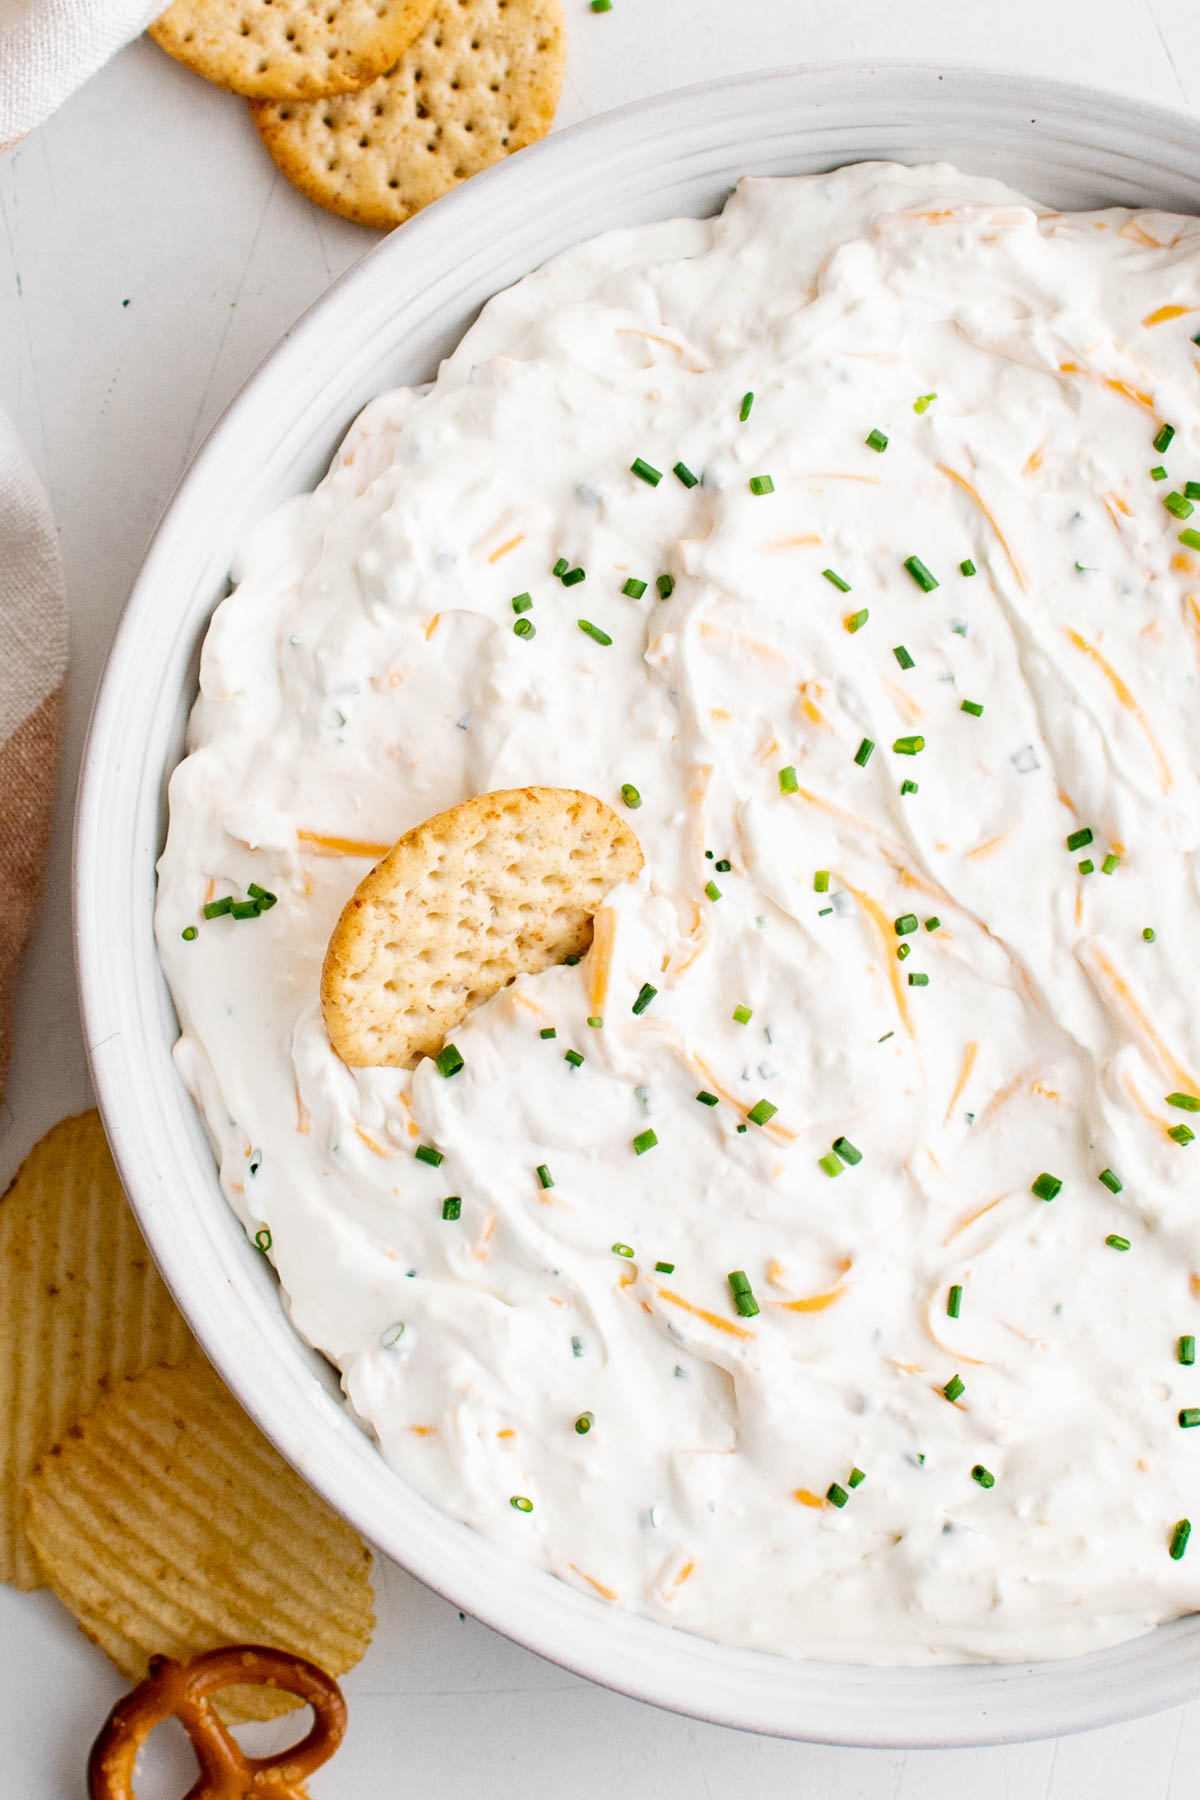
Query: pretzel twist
{"x": 226, "y": 1772}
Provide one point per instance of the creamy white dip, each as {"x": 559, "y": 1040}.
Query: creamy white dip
{"x": 365, "y": 673}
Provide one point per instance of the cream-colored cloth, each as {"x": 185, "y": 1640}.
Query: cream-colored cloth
{"x": 33, "y": 661}
{"x": 48, "y": 48}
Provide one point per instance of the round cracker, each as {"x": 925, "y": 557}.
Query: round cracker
{"x": 290, "y": 49}
{"x": 481, "y": 81}
{"x": 166, "y": 1523}
{"x": 503, "y": 885}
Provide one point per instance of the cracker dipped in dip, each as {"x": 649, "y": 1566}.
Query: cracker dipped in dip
{"x": 825, "y": 1267}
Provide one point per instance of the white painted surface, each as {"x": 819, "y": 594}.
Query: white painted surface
{"x": 151, "y": 188}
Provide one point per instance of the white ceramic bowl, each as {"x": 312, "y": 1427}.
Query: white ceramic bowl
{"x": 388, "y": 321}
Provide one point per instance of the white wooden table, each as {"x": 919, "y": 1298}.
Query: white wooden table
{"x": 150, "y": 256}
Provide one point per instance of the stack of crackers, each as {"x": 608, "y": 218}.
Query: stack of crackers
{"x": 375, "y": 107}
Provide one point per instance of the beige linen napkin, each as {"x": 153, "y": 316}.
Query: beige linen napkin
{"x": 33, "y": 661}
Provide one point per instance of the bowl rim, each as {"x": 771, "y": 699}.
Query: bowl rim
{"x": 996, "y": 1706}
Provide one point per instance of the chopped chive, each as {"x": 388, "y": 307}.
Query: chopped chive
{"x": 1087, "y": 866}
{"x": 425, "y": 1153}
{"x": 646, "y": 994}
{"x": 645, "y": 471}
{"x": 1186, "y": 1352}
{"x": 630, "y": 796}
{"x": 862, "y": 755}
{"x": 712, "y": 890}
{"x": 747, "y": 403}
{"x": 573, "y": 577}
{"x": 685, "y": 475}
{"x": 596, "y": 1022}
{"x": 847, "y": 1151}
{"x": 1046, "y": 1186}
{"x": 244, "y": 909}
{"x": 586, "y": 1420}
{"x": 904, "y": 924}
{"x": 954, "y": 1301}
{"x": 262, "y": 1240}
{"x": 856, "y": 620}
{"x": 601, "y": 6}
{"x": 665, "y": 585}
{"x": 1184, "y": 1102}
{"x": 742, "y": 1015}
{"x": 832, "y": 1164}
{"x": 908, "y": 746}
{"x": 1178, "y": 506}
{"x": 856, "y": 1478}
{"x": 823, "y": 912}
{"x": 521, "y": 1502}
{"x": 705, "y": 1098}
{"x": 560, "y": 568}
{"x": 1189, "y": 1418}
{"x": 821, "y": 881}
{"x": 390, "y": 1336}
{"x": 954, "y": 1387}
{"x": 1112, "y": 1182}
{"x": 875, "y": 440}
{"x": 1158, "y": 474}
{"x": 1182, "y": 1134}
{"x": 548, "y": 1032}
{"x": 1179, "y": 1538}
{"x": 634, "y": 588}
{"x": 836, "y": 1496}
{"x": 448, "y": 1061}
{"x": 625, "y": 1250}
{"x": 843, "y": 587}
{"x": 723, "y": 866}
{"x": 761, "y": 1112}
{"x": 1191, "y": 490}
{"x": 918, "y": 981}
{"x": 1115, "y": 1242}
{"x": 983, "y": 1476}
{"x": 544, "y": 1176}
{"x": 743, "y": 1297}
{"x": 452, "y": 1206}
{"x": 788, "y": 783}
{"x": 902, "y": 657}
{"x": 645, "y": 1140}
{"x": 932, "y": 923}
{"x": 266, "y": 899}
{"x": 1078, "y": 839}
{"x": 525, "y": 628}
{"x": 966, "y": 567}
{"x": 1191, "y": 537}
{"x": 908, "y": 787}
{"x": 215, "y": 908}
{"x": 189, "y": 933}
{"x": 574, "y": 1058}
{"x": 973, "y": 707}
{"x": 920, "y": 574}
{"x": 923, "y": 402}
{"x": 1148, "y": 934}
{"x": 662, "y": 1268}
{"x": 521, "y": 603}
{"x": 576, "y": 1346}
{"x": 1163, "y": 438}
{"x": 761, "y": 484}
{"x": 903, "y": 952}
{"x": 593, "y": 631}
{"x": 1111, "y": 863}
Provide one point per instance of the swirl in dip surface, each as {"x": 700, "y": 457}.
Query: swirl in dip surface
{"x": 894, "y": 946}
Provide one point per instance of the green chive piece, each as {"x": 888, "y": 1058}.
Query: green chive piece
{"x": 596, "y": 1022}
{"x": 244, "y": 909}
{"x": 712, "y": 890}
{"x": 425, "y": 1153}
{"x": 189, "y": 934}
{"x": 391, "y": 1335}
{"x": 665, "y": 585}
{"x": 266, "y": 899}
{"x": 821, "y": 881}
{"x": 602, "y": 6}
{"x": 1189, "y": 1418}
{"x": 983, "y": 1476}
{"x": 521, "y": 603}
{"x": 847, "y": 1151}
{"x": 645, "y": 471}
{"x": 661, "y": 1268}
{"x": 1111, "y": 863}
{"x": 215, "y": 908}
{"x": 823, "y": 912}
{"x": 521, "y": 1502}
{"x": 1163, "y": 439}
{"x": 1148, "y": 934}
{"x": 548, "y": 1032}
{"x": 973, "y": 707}
{"x": 1176, "y": 504}
{"x": 1158, "y": 474}
{"x": 903, "y": 952}
{"x": 1078, "y": 839}
{"x": 1179, "y": 1538}
{"x": 788, "y": 783}
{"x": 876, "y": 440}
{"x": 836, "y": 1496}
{"x": 593, "y": 631}
{"x": 574, "y": 1058}
{"x": 448, "y": 1061}
{"x": 843, "y": 587}
{"x": 646, "y": 994}
{"x": 862, "y": 755}
{"x": 1191, "y": 537}
{"x": 761, "y": 1112}
{"x": 1182, "y": 1134}
{"x": 904, "y": 924}
{"x": 560, "y": 568}
{"x": 967, "y": 567}
{"x": 585, "y": 1421}
{"x": 685, "y": 475}
{"x": 923, "y": 402}
{"x": 1184, "y": 1102}
{"x": 1191, "y": 490}
{"x": 954, "y": 1387}
{"x": 573, "y": 577}
{"x": 1087, "y": 866}
{"x": 908, "y": 787}
{"x": 1046, "y": 1186}
{"x": 634, "y": 588}
{"x": 576, "y": 1346}
{"x": 525, "y": 628}
{"x": 1112, "y": 1182}
{"x": 452, "y": 1207}
{"x": 954, "y": 1301}
{"x": 742, "y": 1015}
{"x": 856, "y": 1478}
{"x": 761, "y": 484}
{"x": 630, "y": 796}
{"x": 1187, "y": 1351}
{"x": 856, "y": 620}
{"x": 705, "y": 1098}
{"x": 262, "y": 1240}
{"x": 908, "y": 746}
{"x": 903, "y": 658}
{"x": 645, "y": 1140}
{"x": 932, "y": 923}
{"x": 920, "y": 574}
{"x": 918, "y": 981}
{"x": 743, "y": 1297}
{"x": 544, "y": 1176}
{"x": 747, "y": 403}
{"x": 1115, "y": 1242}
{"x": 832, "y": 1165}
{"x": 625, "y": 1250}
